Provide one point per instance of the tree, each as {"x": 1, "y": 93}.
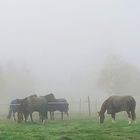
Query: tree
{"x": 119, "y": 77}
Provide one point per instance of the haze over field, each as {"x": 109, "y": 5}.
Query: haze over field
{"x": 62, "y": 46}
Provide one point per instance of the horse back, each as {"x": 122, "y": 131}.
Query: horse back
{"x": 120, "y": 103}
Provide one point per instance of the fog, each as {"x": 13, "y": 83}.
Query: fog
{"x": 62, "y": 46}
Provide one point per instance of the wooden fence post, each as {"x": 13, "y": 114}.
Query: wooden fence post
{"x": 89, "y": 110}
{"x": 80, "y": 106}
{"x": 96, "y": 110}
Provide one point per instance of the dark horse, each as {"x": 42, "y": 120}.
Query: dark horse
{"x": 58, "y": 105}
{"x": 34, "y": 103}
{"x": 115, "y": 104}
{"x": 14, "y": 108}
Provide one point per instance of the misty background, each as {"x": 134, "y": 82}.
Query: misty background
{"x": 73, "y": 49}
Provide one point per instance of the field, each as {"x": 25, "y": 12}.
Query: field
{"x": 74, "y": 129}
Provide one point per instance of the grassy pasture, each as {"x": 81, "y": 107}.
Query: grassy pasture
{"x": 74, "y": 129}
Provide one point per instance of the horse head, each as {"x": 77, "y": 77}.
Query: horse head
{"x": 101, "y": 117}
{"x": 50, "y": 97}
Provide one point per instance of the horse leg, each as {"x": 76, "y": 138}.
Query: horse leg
{"x": 53, "y": 115}
{"x": 39, "y": 116}
{"x": 9, "y": 114}
{"x": 26, "y": 116}
{"x": 31, "y": 117}
{"x": 50, "y": 115}
{"x": 113, "y": 117}
{"x": 44, "y": 118}
{"x": 20, "y": 117}
{"x": 61, "y": 115}
{"x": 68, "y": 115}
{"x": 14, "y": 116}
{"x": 133, "y": 115}
{"x": 47, "y": 115}
{"x": 129, "y": 116}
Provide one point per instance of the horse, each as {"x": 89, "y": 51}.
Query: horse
{"x": 115, "y": 104}
{"x": 58, "y": 105}
{"x": 34, "y": 103}
{"x": 14, "y": 108}
{"x": 22, "y": 108}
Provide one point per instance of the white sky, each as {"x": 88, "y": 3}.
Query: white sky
{"x": 64, "y": 43}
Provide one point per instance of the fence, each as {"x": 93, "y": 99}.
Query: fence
{"x": 88, "y": 106}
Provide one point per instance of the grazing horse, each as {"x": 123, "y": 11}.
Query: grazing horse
{"x": 115, "y": 104}
{"x": 58, "y": 105}
{"x": 34, "y": 103}
{"x": 14, "y": 108}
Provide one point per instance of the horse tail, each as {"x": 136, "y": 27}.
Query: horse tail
{"x": 133, "y": 106}
{"x": 132, "y": 103}
{"x": 10, "y": 113}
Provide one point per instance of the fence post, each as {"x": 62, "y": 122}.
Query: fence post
{"x": 80, "y": 106}
{"x": 96, "y": 106}
{"x": 89, "y": 110}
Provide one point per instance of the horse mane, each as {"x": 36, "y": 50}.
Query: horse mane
{"x": 103, "y": 107}
{"x": 49, "y": 95}
{"x": 34, "y": 95}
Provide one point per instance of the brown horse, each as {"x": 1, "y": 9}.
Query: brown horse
{"x": 21, "y": 108}
{"x": 115, "y": 104}
{"x": 34, "y": 103}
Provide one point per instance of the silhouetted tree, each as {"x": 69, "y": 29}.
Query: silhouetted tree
{"x": 119, "y": 77}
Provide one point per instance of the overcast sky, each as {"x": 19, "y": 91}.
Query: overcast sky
{"x": 65, "y": 43}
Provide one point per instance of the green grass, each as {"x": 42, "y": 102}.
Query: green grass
{"x": 75, "y": 129}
